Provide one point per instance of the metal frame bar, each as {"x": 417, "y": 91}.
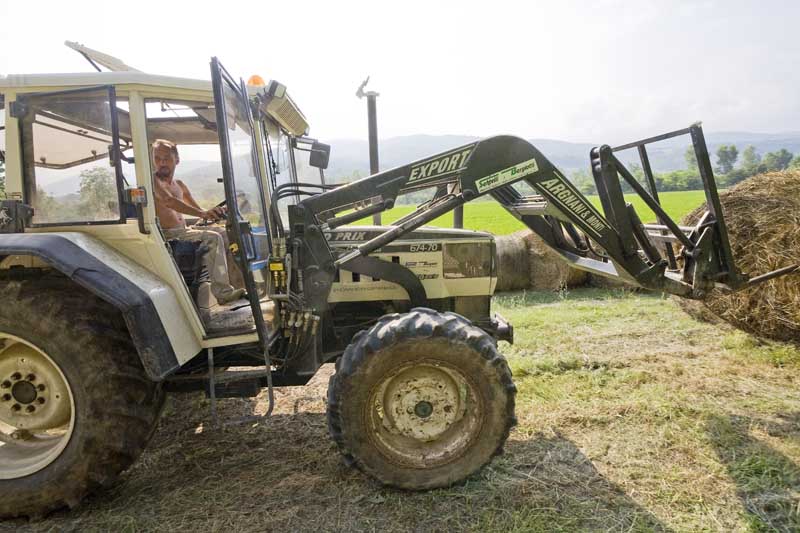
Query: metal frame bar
{"x": 652, "y": 203}
{"x": 712, "y": 202}
{"x": 650, "y": 140}
{"x": 651, "y": 183}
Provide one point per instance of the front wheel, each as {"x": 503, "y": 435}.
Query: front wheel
{"x": 421, "y": 400}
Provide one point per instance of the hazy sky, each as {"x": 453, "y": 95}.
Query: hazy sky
{"x": 600, "y": 71}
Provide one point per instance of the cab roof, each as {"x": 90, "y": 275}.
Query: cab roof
{"x": 82, "y": 79}
{"x": 281, "y": 108}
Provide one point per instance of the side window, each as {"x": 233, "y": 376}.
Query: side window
{"x": 66, "y": 141}
{"x": 280, "y": 167}
{"x": 282, "y": 155}
{"x": 305, "y": 172}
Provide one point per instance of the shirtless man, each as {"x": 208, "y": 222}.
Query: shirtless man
{"x": 173, "y": 201}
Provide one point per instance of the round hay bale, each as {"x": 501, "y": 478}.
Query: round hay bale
{"x": 548, "y": 271}
{"x": 512, "y": 262}
{"x": 762, "y": 215}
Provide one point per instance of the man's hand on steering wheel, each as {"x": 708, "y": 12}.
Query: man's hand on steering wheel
{"x": 219, "y": 212}
{"x": 216, "y": 213}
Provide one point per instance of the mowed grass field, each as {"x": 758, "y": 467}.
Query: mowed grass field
{"x": 632, "y": 417}
{"x": 490, "y": 216}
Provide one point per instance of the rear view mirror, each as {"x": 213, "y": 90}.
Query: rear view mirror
{"x": 320, "y": 155}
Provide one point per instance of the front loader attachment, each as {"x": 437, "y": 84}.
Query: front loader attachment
{"x": 617, "y": 244}
{"x": 684, "y": 260}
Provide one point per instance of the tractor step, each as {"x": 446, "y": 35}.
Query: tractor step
{"x": 247, "y": 388}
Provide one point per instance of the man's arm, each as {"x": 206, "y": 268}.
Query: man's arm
{"x": 187, "y": 195}
{"x": 218, "y": 212}
{"x": 167, "y": 199}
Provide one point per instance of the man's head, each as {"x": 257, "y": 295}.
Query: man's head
{"x": 165, "y": 158}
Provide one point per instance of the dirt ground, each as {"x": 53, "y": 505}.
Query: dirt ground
{"x": 633, "y": 417}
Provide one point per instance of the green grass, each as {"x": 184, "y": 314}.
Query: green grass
{"x": 632, "y": 417}
{"x": 490, "y": 216}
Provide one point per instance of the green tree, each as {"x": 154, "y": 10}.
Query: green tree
{"x": 750, "y": 159}
{"x": 46, "y": 208}
{"x": 583, "y": 181}
{"x": 679, "y": 180}
{"x": 726, "y": 158}
{"x": 691, "y": 158}
{"x": 98, "y": 194}
{"x": 777, "y": 160}
{"x": 795, "y": 162}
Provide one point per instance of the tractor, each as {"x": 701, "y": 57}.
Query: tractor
{"x": 102, "y": 314}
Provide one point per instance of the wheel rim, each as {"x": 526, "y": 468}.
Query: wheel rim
{"x": 37, "y": 408}
{"x": 424, "y": 414}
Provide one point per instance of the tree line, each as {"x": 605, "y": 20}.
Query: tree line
{"x": 688, "y": 179}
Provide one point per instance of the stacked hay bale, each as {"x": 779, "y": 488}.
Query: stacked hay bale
{"x": 513, "y": 262}
{"x": 525, "y": 262}
{"x": 762, "y": 215}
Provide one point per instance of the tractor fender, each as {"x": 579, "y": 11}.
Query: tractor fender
{"x": 148, "y": 305}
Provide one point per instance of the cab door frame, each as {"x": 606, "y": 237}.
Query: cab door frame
{"x": 239, "y": 228}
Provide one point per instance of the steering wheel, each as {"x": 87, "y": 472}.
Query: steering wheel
{"x": 208, "y": 222}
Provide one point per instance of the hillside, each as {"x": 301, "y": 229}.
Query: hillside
{"x": 349, "y": 156}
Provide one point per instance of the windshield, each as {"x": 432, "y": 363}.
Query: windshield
{"x": 280, "y": 167}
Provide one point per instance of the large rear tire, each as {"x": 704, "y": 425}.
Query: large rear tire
{"x": 76, "y": 407}
{"x": 422, "y": 400}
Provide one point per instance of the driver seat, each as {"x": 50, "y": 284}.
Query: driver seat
{"x": 234, "y": 318}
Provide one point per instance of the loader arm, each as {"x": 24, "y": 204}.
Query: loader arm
{"x": 515, "y": 173}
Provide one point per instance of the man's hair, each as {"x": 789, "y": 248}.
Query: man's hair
{"x": 163, "y": 143}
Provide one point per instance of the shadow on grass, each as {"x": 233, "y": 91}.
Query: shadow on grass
{"x": 552, "y": 486}
{"x": 767, "y": 482}
{"x": 284, "y": 474}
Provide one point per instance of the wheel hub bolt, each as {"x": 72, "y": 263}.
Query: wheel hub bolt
{"x": 16, "y": 407}
{"x": 6, "y": 384}
{"x": 30, "y": 409}
{"x": 6, "y": 397}
{"x": 41, "y": 387}
{"x": 423, "y": 409}
{"x": 40, "y": 400}
{"x": 30, "y": 377}
{"x": 16, "y": 376}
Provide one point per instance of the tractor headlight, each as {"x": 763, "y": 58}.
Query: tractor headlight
{"x": 468, "y": 259}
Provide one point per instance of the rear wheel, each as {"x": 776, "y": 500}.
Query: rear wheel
{"x": 76, "y": 407}
{"x": 37, "y": 408}
{"x": 422, "y": 400}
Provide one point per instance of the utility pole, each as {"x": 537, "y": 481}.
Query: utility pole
{"x": 372, "y": 125}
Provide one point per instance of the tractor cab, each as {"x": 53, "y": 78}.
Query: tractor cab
{"x": 77, "y": 151}
{"x": 261, "y": 140}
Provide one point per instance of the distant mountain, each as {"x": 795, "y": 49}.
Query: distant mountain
{"x": 350, "y": 156}
{"x": 61, "y": 183}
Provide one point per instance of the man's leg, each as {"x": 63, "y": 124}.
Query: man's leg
{"x": 214, "y": 259}
{"x": 234, "y": 274}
